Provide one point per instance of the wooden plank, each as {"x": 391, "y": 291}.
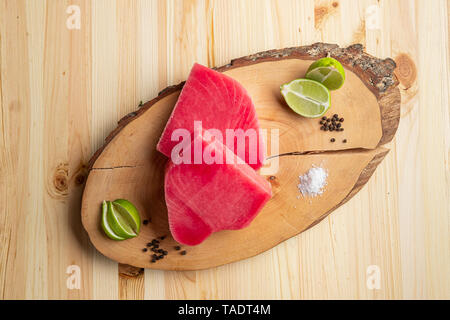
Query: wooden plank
{"x": 37, "y": 254}
{"x": 65, "y": 147}
{"x": 79, "y": 142}
{"x": 104, "y": 115}
{"x": 15, "y": 154}
{"x": 131, "y": 280}
{"x": 182, "y": 29}
{"x": 406, "y": 149}
{"x": 149, "y": 64}
{"x": 434, "y": 143}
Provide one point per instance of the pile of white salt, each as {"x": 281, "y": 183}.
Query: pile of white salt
{"x": 312, "y": 183}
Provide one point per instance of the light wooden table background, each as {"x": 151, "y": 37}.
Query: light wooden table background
{"x": 62, "y": 91}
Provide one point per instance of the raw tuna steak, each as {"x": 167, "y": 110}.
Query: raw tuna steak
{"x": 221, "y": 103}
{"x": 204, "y": 198}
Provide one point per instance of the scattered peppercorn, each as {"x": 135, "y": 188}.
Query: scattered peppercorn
{"x": 333, "y": 140}
{"x": 145, "y": 222}
{"x": 177, "y": 248}
{"x": 154, "y": 246}
{"x": 344, "y": 141}
{"x": 333, "y": 123}
{"x": 183, "y": 253}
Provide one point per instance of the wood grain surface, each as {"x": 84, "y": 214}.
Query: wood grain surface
{"x": 63, "y": 90}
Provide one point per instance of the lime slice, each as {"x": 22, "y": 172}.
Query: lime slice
{"x": 105, "y": 225}
{"x": 306, "y": 97}
{"x": 118, "y": 223}
{"x": 327, "y": 71}
{"x": 129, "y": 213}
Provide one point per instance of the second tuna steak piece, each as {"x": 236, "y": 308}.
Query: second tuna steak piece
{"x": 221, "y": 103}
{"x": 204, "y": 198}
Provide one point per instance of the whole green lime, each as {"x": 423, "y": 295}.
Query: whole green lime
{"x": 327, "y": 71}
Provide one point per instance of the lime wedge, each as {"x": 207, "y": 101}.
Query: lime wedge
{"x": 327, "y": 71}
{"x": 129, "y": 213}
{"x": 119, "y": 224}
{"x": 306, "y": 97}
{"x": 105, "y": 225}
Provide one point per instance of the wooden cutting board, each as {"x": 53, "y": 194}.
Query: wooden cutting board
{"x": 128, "y": 165}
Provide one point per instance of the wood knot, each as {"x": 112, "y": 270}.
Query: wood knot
{"x": 80, "y": 178}
{"x": 80, "y": 175}
{"x": 274, "y": 183}
{"x": 406, "y": 71}
{"x": 61, "y": 179}
{"x": 321, "y": 13}
{"x": 128, "y": 271}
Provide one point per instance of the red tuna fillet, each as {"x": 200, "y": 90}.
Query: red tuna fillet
{"x": 205, "y": 198}
{"x": 221, "y": 103}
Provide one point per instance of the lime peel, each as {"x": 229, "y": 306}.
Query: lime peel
{"x": 120, "y": 219}
{"x": 129, "y": 213}
{"x": 118, "y": 223}
{"x": 306, "y": 97}
{"x": 105, "y": 225}
{"x": 327, "y": 71}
